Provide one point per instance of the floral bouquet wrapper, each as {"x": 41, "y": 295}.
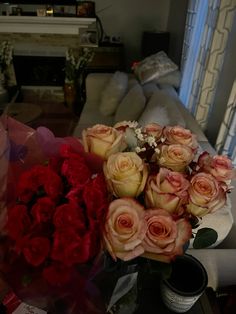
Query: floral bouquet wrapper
{"x": 50, "y": 233}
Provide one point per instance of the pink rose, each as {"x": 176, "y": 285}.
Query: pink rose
{"x": 219, "y": 166}
{"x": 175, "y": 157}
{"x": 153, "y": 129}
{"x": 125, "y": 229}
{"x": 165, "y": 237}
{"x": 180, "y": 135}
{"x": 126, "y": 174}
{"x": 103, "y": 140}
{"x": 168, "y": 189}
{"x": 206, "y": 194}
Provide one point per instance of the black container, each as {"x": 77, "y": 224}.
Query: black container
{"x": 186, "y": 284}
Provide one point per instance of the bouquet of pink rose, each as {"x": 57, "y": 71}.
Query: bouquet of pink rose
{"x": 161, "y": 189}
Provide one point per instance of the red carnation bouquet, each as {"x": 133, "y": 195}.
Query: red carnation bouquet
{"x": 56, "y": 208}
{"x": 54, "y": 218}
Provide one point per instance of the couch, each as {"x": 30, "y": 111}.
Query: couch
{"x": 169, "y": 111}
{"x": 162, "y": 105}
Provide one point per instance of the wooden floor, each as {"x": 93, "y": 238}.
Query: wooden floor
{"x": 57, "y": 117}
{"x": 45, "y": 107}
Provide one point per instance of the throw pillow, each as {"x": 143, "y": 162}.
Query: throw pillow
{"x": 153, "y": 67}
{"x": 132, "y": 82}
{"x": 149, "y": 89}
{"x": 132, "y": 105}
{"x": 173, "y": 79}
{"x": 163, "y": 110}
{"x": 113, "y": 93}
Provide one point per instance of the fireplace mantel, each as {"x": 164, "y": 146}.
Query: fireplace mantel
{"x": 44, "y": 25}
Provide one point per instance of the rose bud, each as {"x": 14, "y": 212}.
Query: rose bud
{"x": 167, "y": 189}
{"x": 126, "y": 174}
{"x": 125, "y": 229}
{"x": 219, "y": 166}
{"x": 165, "y": 237}
{"x": 179, "y": 135}
{"x": 175, "y": 157}
{"x": 153, "y": 129}
{"x": 103, "y": 140}
{"x": 205, "y": 195}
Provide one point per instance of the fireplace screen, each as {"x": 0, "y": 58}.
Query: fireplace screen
{"x": 39, "y": 70}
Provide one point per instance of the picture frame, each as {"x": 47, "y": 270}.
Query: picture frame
{"x": 65, "y": 10}
{"x": 88, "y": 37}
{"x": 41, "y": 12}
{"x": 85, "y": 9}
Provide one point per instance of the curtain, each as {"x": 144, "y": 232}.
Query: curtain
{"x": 193, "y": 54}
{"x": 226, "y": 140}
{"x": 215, "y": 61}
{"x": 205, "y": 57}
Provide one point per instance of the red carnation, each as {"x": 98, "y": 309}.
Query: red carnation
{"x": 57, "y": 274}
{"x": 52, "y": 184}
{"x": 79, "y": 251}
{"x": 36, "y": 250}
{"x": 63, "y": 239}
{"x": 43, "y": 209}
{"x": 67, "y": 151}
{"x": 36, "y": 177}
{"x": 74, "y": 196}
{"x": 30, "y": 181}
{"x": 69, "y": 215}
{"x": 55, "y": 163}
{"x": 70, "y": 247}
{"x": 95, "y": 196}
{"x": 76, "y": 172}
{"x": 18, "y": 222}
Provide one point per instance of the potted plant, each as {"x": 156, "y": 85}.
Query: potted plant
{"x": 75, "y": 65}
{"x": 5, "y": 61}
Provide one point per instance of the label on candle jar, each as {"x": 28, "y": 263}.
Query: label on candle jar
{"x": 176, "y": 302}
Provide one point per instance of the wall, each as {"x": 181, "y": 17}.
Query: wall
{"x": 225, "y": 84}
{"x": 128, "y": 19}
{"x": 176, "y": 27}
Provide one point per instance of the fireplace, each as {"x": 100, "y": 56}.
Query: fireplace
{"x": 40, "y": 45}
{"x": 39, "y": 70}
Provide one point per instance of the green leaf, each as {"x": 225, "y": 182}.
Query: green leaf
{"x": 26, "y": 280}
{"x": 194, "y": 221}
{"x": 204, "y": 238}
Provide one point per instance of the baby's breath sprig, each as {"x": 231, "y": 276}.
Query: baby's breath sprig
{"x": 138, "y": 140}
